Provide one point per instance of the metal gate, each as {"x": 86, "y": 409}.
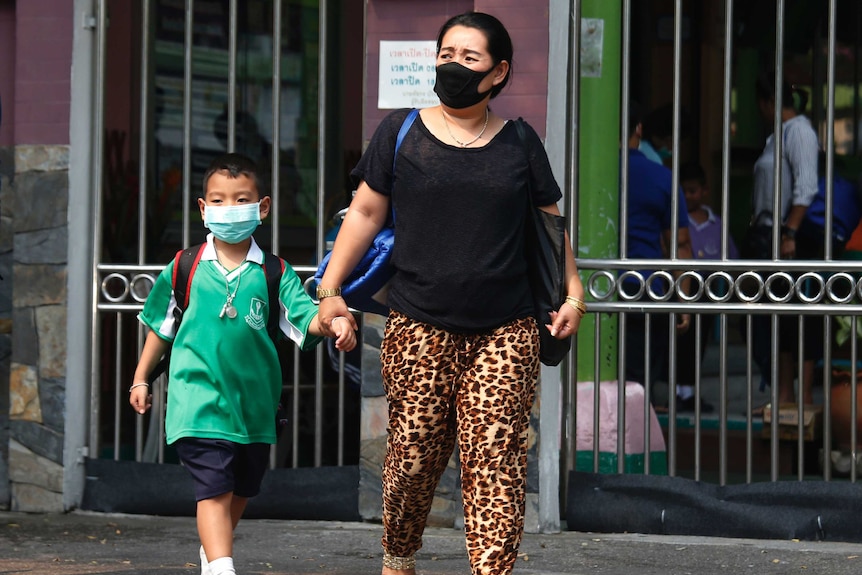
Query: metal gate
{"x": 730, "y": 445}
{"x": 212, "y": 77}
{"x": 724, "y": 447}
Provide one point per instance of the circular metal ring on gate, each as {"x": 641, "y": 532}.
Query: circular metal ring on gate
{"x": 859, "y": 288}
{"x": 669, "y": 283}
{"x": 136, "y": 291}
{"x": 726, "y": 281}
{"x": 830, "y": 287}
{"x": 110, "y": 278}
{"x": 738, "y": 286}
{"x": 805, "y": 281}
{"x": 309, "y": 285}
{"x": 593, "y": 290}
{"x": 788, "y": 279}
{"x": 622, "y": 293}
{"x": 695, "y": 278}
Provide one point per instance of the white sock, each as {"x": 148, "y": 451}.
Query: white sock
{"x": 222, "y": 566}
{"x": 205, "y": 566}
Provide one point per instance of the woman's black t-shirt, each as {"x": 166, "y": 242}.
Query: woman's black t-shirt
{"x": 459, "y": 222}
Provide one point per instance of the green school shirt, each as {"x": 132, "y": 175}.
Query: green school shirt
{"x": 224, "y": 374}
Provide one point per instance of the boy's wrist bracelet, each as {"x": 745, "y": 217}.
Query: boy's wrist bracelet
{"x": 138, "y": 385}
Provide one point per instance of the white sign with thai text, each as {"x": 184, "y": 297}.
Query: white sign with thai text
{"x": 407, "y": 74}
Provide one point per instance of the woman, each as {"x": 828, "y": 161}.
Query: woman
{"x": 798, "y": 188}
{"x": 460, "y": 351}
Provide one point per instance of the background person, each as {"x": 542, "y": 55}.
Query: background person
{"x": 650, "y": 219}
{"x": 460, "y": 355}
{"x": 798, "y": 188}
{"x": 704, "y": 230}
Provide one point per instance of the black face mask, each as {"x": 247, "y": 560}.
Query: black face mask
{"x": 458, "y": 86}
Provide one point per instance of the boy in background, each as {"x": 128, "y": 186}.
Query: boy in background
{"x": 704, "y": 228}
{"x": 225, "y": 377}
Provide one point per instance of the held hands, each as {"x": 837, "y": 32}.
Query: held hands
{"x": 140, "y": 397}
{"x": 344, "y": 332}
{"x": 331, "y": 308}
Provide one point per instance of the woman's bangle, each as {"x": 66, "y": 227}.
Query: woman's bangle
{"x": 138, "y": 385}
{"x": 578, "y": 304}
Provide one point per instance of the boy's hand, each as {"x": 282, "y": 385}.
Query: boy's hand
{"x": 140, "y": 397}
{"x": 345, "y": 336}
{"x": 331, "y": 308}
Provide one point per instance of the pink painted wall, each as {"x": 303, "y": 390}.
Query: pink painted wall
{"x": 43, "y": 70}
{"x": 527, "y": 22}
{"x": 7, "y": 68}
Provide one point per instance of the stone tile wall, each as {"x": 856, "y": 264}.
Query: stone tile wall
{"x": 36, "y": 206}
{"x": 7, "y": 166}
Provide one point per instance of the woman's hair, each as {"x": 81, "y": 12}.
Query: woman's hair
{"x": 791, "y": 96}
{"x": 499, "y": 41}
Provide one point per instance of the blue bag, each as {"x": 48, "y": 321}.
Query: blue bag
{"x": 367, "y": 286}
{"x": 846, "y": 211}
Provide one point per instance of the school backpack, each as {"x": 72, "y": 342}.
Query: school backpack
{"x": 185, "y": 264}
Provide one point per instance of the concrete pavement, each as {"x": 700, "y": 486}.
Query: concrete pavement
{"x": 87, "y": 543}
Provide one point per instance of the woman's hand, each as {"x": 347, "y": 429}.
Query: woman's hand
{"x": 564, "y": 322}
{"x": 331, "y": 308}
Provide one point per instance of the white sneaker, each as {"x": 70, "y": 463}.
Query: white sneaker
{"x": 205, "y": 566}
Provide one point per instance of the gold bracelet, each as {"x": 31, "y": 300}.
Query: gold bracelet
{"x": 578, "y": 304}
{"x": 138, "y": 385}
{"x": 399, "y": 563}
{"x": 323, "y": 293}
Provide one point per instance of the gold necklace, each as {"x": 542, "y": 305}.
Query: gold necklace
{"x": 463, "y": 144}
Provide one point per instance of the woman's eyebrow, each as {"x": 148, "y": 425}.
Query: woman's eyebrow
{"x": 467, "y": 51}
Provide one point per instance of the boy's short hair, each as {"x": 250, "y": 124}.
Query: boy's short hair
{"x": 235, "y": 165}
{"x": 692, "y": 171}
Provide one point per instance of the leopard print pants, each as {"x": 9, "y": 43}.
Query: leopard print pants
{"x": 474, "y": 389}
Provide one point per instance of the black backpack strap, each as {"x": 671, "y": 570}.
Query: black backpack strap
{"x": 273, "y": 266}
{"x": 185, "y": 263}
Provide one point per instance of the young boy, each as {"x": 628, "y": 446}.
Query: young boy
{"x": 225, "y": 378}
{"x": 704, "y": 229}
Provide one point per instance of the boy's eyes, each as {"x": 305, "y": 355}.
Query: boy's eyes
{"x": 241, "y": 200}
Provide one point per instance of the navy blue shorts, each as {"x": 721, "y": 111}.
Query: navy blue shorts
{"x": 218, "y": 466}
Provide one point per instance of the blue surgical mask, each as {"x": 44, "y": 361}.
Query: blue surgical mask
{"x": 664, "y": 153}
{"x": 232, "y": 224}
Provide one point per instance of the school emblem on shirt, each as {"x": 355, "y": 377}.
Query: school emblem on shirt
{"x": 256, "y": 318}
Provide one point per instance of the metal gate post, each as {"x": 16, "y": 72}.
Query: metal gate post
{"x": 599, "y": 168}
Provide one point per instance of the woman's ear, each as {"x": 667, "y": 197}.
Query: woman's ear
{"x": 501, "y": 71}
